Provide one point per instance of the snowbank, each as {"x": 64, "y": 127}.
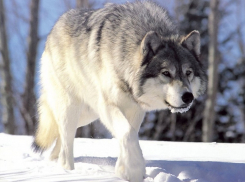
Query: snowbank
{"x": 95, "y": 160}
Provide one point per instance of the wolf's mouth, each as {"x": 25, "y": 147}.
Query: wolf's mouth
{"x": 181, "y": 109}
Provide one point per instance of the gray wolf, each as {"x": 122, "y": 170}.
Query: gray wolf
{"x": 114, "y": 63}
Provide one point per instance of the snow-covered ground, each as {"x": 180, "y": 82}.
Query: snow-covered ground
{"x": 95, "y": 160}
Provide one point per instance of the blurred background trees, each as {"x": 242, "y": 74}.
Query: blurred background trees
{"x": 7, "y": 107}
{"x": 24, "y": 26}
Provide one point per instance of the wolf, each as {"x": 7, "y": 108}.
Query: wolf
{"x": 114, "y": 63}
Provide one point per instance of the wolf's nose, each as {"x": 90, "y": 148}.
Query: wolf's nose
{"x": 187, "y": 97}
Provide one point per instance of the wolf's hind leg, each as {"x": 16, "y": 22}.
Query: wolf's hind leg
{"x": 56, "y": 150}
{"x": 67, "y": 112}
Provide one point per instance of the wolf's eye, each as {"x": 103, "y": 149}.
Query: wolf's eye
{"x": 188, "y": 73}
{"x": 166, "y": 73}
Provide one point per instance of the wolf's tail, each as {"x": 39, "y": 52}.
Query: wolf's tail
{"x": 47, "y": 129}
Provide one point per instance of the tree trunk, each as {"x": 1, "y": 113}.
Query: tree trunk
{"x": 82, "y": 3}
{"x": 6, "y": 77}
{"x": 209, "y": 112}
{"x": 29, "y": 98}
{"x": 241, "y": 45}
{"x": 173, "y": 126}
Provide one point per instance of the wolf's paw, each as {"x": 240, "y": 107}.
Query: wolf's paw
{"x": 132, "y": 170}
{"x": 66, "y": 166}
{"x": 66, "y": 162}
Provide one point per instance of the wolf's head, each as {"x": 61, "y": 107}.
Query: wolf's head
{"x": 171, "y": 74}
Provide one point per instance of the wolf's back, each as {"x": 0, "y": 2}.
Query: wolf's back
{"x": 116, "y": 25}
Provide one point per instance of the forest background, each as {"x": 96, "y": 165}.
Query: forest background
{"x": 217, "y": 116}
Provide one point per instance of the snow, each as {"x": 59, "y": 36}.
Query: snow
{"x": 95, "y": 160}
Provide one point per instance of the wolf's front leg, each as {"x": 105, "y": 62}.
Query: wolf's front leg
{"x": 124, "y": 125}
{"x": 130, "y": 164}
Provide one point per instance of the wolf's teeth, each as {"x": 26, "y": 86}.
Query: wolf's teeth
{"x": 182, "y": 110}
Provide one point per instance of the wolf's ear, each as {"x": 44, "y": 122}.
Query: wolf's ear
{"x": 149, "y": 46}
{"x": 192, "y": 42}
